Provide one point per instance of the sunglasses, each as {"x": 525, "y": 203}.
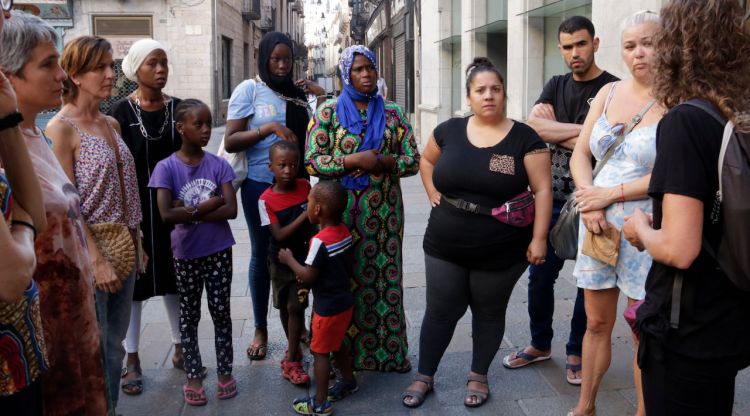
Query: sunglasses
{"x": 6, "y": 4}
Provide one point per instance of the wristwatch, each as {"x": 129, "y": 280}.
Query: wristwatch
{"x": 11, "y": 120}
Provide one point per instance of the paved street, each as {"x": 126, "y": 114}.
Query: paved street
{"x": 540, "y": 389}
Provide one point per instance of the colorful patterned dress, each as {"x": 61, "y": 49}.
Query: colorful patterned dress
{"x": 75, "y": 382}
{"x": 375, "y": 216}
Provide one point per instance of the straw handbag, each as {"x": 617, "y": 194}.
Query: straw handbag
{"x": 114, "y": 240}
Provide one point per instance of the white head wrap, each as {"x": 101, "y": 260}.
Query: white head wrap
{"x": 137, "y": 54}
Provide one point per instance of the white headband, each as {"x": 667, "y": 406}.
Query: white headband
{"x": 137, "y": 54}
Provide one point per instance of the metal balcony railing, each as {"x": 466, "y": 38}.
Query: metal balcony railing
{"x": 250, "y": 10}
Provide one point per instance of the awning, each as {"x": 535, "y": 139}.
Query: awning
{"x": 500, "y": 26}
{"x": 555, "y": 8}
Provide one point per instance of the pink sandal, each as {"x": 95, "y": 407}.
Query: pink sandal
{"x": 200, "y": 393}
{"x": 227, "y": 390}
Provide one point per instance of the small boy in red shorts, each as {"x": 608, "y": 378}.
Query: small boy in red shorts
{"x": 328, "y": 269}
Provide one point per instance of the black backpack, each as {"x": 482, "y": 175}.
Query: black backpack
{"x": 732, "y": 200}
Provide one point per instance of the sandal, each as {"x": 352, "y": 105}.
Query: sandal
{"x": 179, "y": 363}
{"x": 307, "y": 406}
{"x": 257, "y": 351}
{"x": 416, "y": 394}
{"x": 132, "y": 387}
{"x": 226, "y": 390}
{"x": 575, "y": 368}
{"x": 200, "y": 393}
{"x": 526, "y": 357}
{"x": 286, "y": 354}
{"x": 293, "y": 371}
{"x": 342, "y": 389}
{"x": 481, "y": 396}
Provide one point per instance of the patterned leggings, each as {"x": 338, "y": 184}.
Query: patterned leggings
{"x": 215, "y": 271}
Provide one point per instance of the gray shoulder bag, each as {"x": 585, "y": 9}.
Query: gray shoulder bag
{"x": 564, "y": 235}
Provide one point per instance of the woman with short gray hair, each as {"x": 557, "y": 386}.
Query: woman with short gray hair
{"x": 75, "y": 378}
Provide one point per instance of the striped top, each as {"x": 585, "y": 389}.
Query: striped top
{"x": 331, "y": 253}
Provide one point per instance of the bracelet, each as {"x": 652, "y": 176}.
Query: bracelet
{"x": 11, "y": 120}
{"x": 24, "y": 224}
{"x": 260, "y": 135}
{"x": 622, "y": 192}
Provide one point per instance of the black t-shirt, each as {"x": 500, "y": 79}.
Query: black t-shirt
{"x": 714, "y": 314}
{"x": 571, "y": 100}
{"x": 332, "y": 254}
{"x": 489, "y": 177}
{"x": 283, "y": 209}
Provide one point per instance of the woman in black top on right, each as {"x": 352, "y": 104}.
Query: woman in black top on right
{"x": 691, "y": 369}
{"x": 473, "y": 259}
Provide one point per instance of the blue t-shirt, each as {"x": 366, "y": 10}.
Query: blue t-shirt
{"x": 193, "y": 185}
{"x": 266, "y": 107}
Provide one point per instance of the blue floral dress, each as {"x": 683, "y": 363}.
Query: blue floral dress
{"x": 633, "y": 158}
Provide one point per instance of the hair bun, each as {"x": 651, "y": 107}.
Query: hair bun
{"x": 479, "y": 61}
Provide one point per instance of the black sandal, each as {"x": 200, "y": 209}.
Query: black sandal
{"x": 416, "y": 394}
{"x": 132, "y": 387}
{"x": 481, "y": 396}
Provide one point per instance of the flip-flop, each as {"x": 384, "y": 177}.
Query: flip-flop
{"x": 201, "y": 393}
{"x": 256, "y": 352}
{"x": 575, "y": 381}
{"x": 229, "y": 389}
{"x": 528, "y": 358}
{"x": 132, "y": 387}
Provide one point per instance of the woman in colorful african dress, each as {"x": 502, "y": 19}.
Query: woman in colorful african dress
{"x": 367, "y": 144}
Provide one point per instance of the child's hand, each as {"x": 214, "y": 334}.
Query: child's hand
{"x": 285, "y": 255}
{"x": 177, "y": 203}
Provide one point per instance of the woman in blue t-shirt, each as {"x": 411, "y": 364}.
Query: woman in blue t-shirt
{"x": 262, "y": 111}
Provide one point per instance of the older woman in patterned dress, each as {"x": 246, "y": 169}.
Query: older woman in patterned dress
{"x": 75, "y": 378}
{"x": 367, "y": 144}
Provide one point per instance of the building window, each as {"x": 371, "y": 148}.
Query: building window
{"x": 125, "y": 26}
{"x": 226, "y": 67}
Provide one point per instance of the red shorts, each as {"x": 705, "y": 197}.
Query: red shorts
{"x": 328, "y": 331}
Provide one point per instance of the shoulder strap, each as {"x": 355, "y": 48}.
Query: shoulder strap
{"x": 111, "y": 137}
{"x": 711, "y": 109}
{"x": 633, "y": 122}
{"x": 609, "y": 96}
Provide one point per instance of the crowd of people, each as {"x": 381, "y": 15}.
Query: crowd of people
{"x": 104, "y": 211}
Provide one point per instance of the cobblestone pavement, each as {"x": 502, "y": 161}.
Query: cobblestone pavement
{"x": 536, "y": 390}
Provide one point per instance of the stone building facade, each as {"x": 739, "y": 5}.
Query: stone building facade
{"x": 212, "y": 44}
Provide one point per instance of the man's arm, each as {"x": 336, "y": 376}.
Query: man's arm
{"x": 542, "y": 120}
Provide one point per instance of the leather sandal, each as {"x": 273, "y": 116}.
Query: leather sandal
{"x": 416, "y": 394}
{"x": 480, "y": 396}
{"x": 132, "y": 387}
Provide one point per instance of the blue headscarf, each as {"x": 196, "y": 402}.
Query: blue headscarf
{"x": 349, "y": 116}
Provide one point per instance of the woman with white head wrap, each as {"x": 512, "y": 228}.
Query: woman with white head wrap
{"x": 147, "y": 120}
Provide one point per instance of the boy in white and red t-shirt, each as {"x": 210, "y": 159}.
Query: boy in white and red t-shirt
{"x": 328, "y": 268}
{"x": 282, "y": 208}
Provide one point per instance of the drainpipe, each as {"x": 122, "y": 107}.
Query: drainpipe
{"x": 215, "y": 66}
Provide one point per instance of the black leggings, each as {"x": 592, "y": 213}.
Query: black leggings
{"x": 677, "y": 385}
{"x": 450, "y": 290}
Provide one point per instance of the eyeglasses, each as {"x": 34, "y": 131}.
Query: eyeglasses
{"x": 7, "y": 5}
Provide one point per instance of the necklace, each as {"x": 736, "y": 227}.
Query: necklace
{"x": 142, "y": 127}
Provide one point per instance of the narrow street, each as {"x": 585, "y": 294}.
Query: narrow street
{"x": 537, "y": 390}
